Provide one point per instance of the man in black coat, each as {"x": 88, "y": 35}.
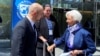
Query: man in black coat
{"x": 24, "y": 36}
{"x": 48, "y": 30}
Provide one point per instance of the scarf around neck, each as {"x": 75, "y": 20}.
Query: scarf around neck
{"x": 71, "y": 29}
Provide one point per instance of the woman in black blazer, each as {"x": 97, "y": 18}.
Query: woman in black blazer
{"x": 48, "y": 30}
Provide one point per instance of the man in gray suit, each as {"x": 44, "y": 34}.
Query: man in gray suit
{"x": 24, "y": 36}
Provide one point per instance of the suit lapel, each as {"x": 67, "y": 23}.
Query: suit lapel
{"x": 53, "y": 24}
{"x": 29, "y": 25}
{"x": 45, "y": 22}
{"x": 46, "y": 25}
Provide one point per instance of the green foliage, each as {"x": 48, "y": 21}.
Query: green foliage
{"x": 5, "y": 13}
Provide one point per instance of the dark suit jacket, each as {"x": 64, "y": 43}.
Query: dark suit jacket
{"x": 23, "y": 41}
{"x": 43, "y": 30}
{"x": 82, "y": 41}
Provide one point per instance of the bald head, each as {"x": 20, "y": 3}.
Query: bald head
{"x": 35, "y": 11}
{"x": 35, "y": 7}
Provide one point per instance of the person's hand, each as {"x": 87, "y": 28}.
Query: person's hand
{"x": 50, "y": 48}
{"x": 76, "y": 52}
{"x": 43, "y": 39}
{"x": 72, "y": 53}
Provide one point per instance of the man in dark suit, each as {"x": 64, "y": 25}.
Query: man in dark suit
{"x": 24, "y": 37}
{"x": 48, "y": 30}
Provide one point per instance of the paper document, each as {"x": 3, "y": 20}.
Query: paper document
{"x": 66, "y": 54}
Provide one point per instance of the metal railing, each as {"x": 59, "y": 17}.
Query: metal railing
{"x": 44, "y": 49}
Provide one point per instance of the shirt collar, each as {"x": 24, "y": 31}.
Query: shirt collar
{"x": 32, "y": 23}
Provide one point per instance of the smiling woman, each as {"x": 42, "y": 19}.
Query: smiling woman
{"x": 73, "y": 35}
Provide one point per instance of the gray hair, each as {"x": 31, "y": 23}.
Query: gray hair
{"x": 77, "y": 16}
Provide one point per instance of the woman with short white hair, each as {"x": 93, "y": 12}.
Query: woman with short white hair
{"x": 77, "y": 40}
{"x": 75, "y": 14}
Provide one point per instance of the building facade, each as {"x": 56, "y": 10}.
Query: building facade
{"x": 90, "y": 10}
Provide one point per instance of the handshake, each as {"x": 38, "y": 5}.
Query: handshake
{"x": 70, "y": 53}
{"x": 50, "y": 48}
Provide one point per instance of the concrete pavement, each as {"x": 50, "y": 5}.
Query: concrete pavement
{"x": 5, "y": 49}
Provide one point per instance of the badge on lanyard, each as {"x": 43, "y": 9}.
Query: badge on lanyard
{"x": 50, "y": 32}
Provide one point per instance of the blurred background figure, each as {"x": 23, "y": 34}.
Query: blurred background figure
{"x": 0, "y": 19}
{"x": 48, "y": 30}
{"x": 77, "y": 40}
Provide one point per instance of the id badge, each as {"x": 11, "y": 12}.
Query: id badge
{"x": 50, "y": 32}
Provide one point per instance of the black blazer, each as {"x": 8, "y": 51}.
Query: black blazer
{"x": 42, "y": 28}
{"x": 24, "y": 40}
